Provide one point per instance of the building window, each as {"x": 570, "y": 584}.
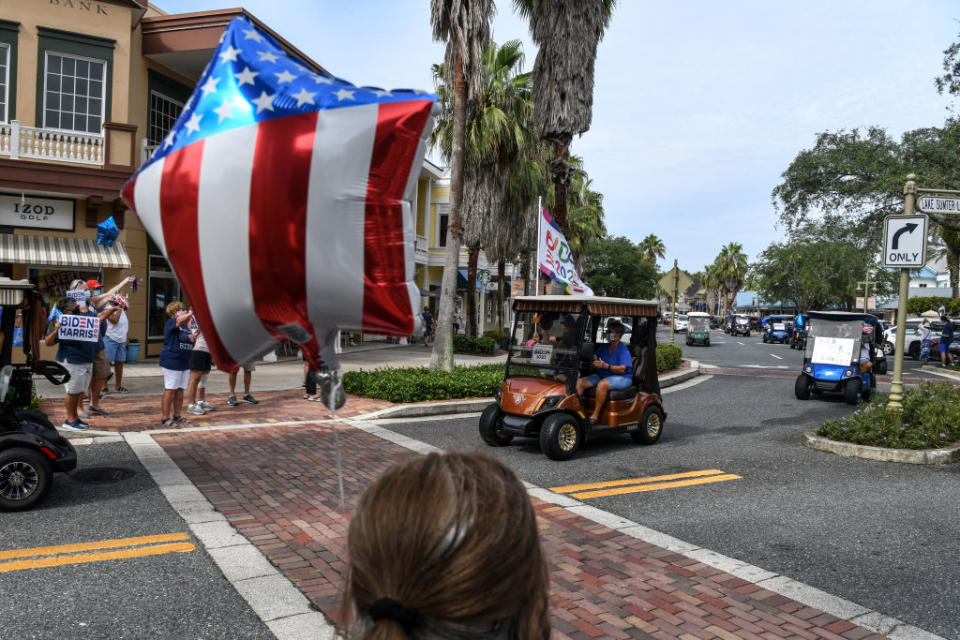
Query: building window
{"x": 164, "y": 112}
{"x": 74, "y": 93}
{"x": 4, "y": 81}
{"x": 162, "y": 289}
{"x": 442, "y": 239}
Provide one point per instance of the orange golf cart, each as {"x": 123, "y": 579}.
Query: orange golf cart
{"x": 552, "y": 345}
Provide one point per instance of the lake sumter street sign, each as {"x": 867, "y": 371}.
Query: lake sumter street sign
{"x": 936, "y": 204}
{"x": 905, "y": 241}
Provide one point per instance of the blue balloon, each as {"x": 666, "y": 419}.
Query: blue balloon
{"x": 107, "y": 232}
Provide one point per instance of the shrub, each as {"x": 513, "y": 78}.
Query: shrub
{"x": 503, "y": 339}
{"x": 669, "y": 356}
{"x": 930, "y": 418}
{"x": 420, "y": 383}
{"x": 920, "y": 304}
{"x": 483, "y": 346}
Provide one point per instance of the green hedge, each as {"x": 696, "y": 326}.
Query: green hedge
{"x": 916, "y": 306}
{"x": 930, "y": 419}
{"x": 669, "y": 356}
{"x": 416, "y": 384}
{"x": 483, "y": 346}
{"x": 503, "y": 339}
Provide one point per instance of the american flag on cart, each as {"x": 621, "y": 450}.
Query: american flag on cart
{"x": 281, "y": 198}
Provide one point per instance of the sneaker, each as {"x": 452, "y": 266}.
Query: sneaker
{"x": 122, "y": 390}
{"x": 83, "y": 415}
{"x": 232, "y": 401}
{"x": 76, "y": 425}
{"x": 86, "y": 425}
{"x": 97, "y": 411}
{"x": 196, "y": 409}
{"x": 180, "y": 420}
{"x": 207, "y": 406}
{"x": 249, "y": 399}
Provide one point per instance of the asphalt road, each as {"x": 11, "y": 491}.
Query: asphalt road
{"x": 884, "y": 535}
{"x": 173, "y": 595}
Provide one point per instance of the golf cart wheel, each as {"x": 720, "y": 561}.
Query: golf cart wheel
{"x": 491, "y": 427}
{"x": 560, "y": 436}
{"x": 748, "y": 334}
{"x": 689, "y": 341}
{"x": 914, "y": 350}
{"x": 764, "y": 339}
{"x": 706, "y": 342}
{"x": 881, "y": 368}
{"x": 801, "y": 387}
{"x": 25, "y": 478}
{"x": 650, "y": 427}
{"x": 851, "y": 390}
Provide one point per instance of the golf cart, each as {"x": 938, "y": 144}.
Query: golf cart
{"x": 31, "y": 449}
{"x": 740, "y": 325}
{"x": 832, "y": 356}
{"x": 552, "y": 346}
{"x": 777, "y": 329}
{"x": 698, "y": 328}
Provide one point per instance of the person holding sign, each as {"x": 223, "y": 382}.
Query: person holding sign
{"x": 76, "y": 333}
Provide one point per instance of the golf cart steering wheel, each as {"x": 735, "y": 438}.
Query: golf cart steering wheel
{"x": 55, "y": 372}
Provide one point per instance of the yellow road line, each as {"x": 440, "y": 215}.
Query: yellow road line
{"x": 91, "y": 546}
{"x": 655, "y": 487}
{"x": 81, "y": 558}
{"x": 620, "y": 483}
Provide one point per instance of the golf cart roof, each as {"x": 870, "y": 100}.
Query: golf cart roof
{"x": 698, "y": 314}
{"x": 844, "y": 316}
{"x": 592, "y": 304}
{"x": 783, "y": 315}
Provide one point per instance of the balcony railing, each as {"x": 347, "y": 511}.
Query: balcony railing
{"x": 146, "y": 150}
{"x": 420, "y": 246}
{"x": 18, "y": 141}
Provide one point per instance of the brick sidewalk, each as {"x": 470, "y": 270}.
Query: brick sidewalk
{"x": 278, "y": 486}
{"x": 142, "y": 413}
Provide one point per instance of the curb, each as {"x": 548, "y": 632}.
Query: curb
{"x": 475, "y": 405}
{"x": 907, "y": 456}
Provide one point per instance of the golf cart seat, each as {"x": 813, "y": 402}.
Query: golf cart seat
{"x": 623, "y": 394}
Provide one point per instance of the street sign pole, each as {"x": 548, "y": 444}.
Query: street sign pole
{"x": 896, "y": 387}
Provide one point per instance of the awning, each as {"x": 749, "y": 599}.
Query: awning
{"x": 62, "y": 252}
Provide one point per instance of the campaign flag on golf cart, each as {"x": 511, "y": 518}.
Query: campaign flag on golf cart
{"x": 281, "y": 198}
{"x": 556, "y": 259}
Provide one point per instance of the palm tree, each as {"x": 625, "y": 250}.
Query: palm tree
{"x": 496, "y": 130}
{"x": 731, "y": 269}
{"x": 567, "y": 33}
{"x": 465, "y": 26}
{"x": 585, "y": 212}
{"x": 653, "y": 248}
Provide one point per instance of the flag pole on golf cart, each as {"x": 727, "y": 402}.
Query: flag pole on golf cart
{"x": 536, "y": 291}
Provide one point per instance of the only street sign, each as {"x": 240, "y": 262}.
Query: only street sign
{"x": 905, "y": 241}
{"x": 934, "y": 204}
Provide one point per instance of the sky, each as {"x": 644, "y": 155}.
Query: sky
{"x": 699, "y": 106}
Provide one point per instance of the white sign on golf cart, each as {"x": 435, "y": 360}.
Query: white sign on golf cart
{"x": 936, "y": 204}
{"x": 838, "y": 351}
{"x": 541, "y": 354}
{"x": 905, "y": 241}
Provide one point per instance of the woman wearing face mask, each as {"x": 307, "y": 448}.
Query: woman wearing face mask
{"x": 175, "y": 362}
{"x": 77, "y": 357}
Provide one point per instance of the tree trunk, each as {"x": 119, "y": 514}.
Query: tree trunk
{"x": 525, "y": 272}
{"x": 560, "y": 173}
{"x": 441, "y": 358}
{"x": 470, "y": 298}
{"x": 501, "y": 267}
{"x": 953, "y": 266}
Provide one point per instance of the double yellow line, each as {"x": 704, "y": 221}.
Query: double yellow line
{"x": 83, "y": 552}
{"x": 638, "y": 485}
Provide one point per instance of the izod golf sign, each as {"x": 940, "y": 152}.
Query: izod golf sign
{"x": 905, "y": 241}
{"x": 36, "y": 213}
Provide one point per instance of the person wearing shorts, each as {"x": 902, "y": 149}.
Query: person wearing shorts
{"x": 946, "y": 337}
{"x": 175, "y": 362}
{"x": 200, "y": 365}
{"x": 77, "y": 358}
{"x": 614, "y": 369}
{"x": 248, "y": 370}
{"x": 115, "y": 340}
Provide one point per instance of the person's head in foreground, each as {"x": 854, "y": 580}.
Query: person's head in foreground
{"x": 446, "y": 547}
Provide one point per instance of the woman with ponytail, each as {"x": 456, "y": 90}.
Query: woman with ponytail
{"x": 445, "y": 547}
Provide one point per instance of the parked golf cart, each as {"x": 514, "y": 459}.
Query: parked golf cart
{"x": 777, "y": 329}
{"x": 698, "y": 328}
{"x": 539, "y": 399}
{"x": 832, "y": 356}
{"x": 31, "y": 449}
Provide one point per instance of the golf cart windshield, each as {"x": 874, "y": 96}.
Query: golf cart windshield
{"x": 741, "y": 320}
{"x": 545, "y": 345}
{"x": 833, "y": 342}
{"x": 777, "y": 323}
{"x": 699, "y": 323}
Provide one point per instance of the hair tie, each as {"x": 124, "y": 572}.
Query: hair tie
{"x": 390, "y": 608}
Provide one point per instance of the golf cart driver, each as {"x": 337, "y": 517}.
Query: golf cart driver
{"x": 612, "y": 365}
{"x": 866, "y": 349}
